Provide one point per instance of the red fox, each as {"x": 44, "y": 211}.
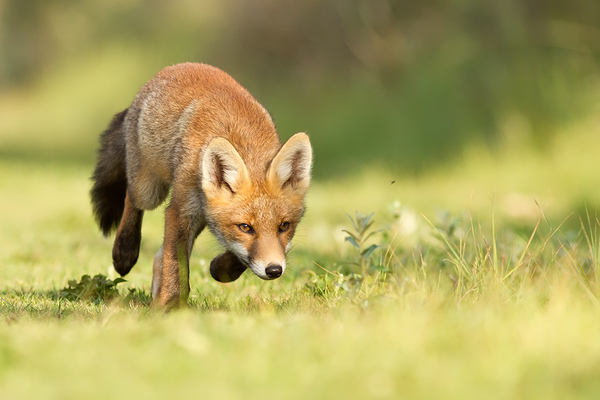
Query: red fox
{"x": 193, "y": 130}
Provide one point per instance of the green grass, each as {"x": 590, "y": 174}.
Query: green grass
{"x": 495, "y": 298}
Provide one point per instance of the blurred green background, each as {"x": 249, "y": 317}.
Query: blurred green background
{"x": 404, "y": 85}
{"x": 492, "y": 106}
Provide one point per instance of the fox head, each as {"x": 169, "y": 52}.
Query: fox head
{"x": 255, "y": 218}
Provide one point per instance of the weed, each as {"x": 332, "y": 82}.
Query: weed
{"x": 137, "y": 297}
{"x": 96, "y": 289}
{"x": 358, "y": 237}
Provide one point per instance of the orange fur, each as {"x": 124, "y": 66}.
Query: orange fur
{"x": 194, "y": 130}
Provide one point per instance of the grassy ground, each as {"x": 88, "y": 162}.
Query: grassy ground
{"x": 496, "y": 298}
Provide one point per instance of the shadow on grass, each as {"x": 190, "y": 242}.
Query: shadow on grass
{"x": 55, "y": 304}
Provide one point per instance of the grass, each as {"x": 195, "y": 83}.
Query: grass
{"x": 496, "y": 298}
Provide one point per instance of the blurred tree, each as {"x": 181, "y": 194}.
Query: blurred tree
{"x": 523, "y": 56}
{"x": 396, "y": 81}
{"x": 25, "y": 43}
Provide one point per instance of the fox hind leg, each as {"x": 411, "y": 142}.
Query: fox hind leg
{"x": 126, "y": 248}
{"x": 157, "y": 270}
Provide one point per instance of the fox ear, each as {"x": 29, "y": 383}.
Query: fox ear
{"x": 222, "y": 168}
{"x": 292, "y": 164}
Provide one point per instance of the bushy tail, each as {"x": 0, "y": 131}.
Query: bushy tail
{"x": 110, "y": 179}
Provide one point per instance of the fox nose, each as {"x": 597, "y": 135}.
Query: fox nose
{"x": 274, "y": 271}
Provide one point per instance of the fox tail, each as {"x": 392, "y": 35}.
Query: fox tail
{"x": 110, "y": 177}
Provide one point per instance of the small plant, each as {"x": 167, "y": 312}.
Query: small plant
{"x": 137, "y": 296}
{"x": 98, "y": 288}
{"x": 361, "y": 225}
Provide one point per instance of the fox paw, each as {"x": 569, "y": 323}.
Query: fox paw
{"x": 226, "y": 267}
{"x": 125, "y": 253}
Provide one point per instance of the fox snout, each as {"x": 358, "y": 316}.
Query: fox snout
{"x": 274, "y": 271}
{"x": 267, "y": 271}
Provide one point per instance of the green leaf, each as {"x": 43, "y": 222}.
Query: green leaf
{"x": 371, "y": 234}
{"x": 380, "y": 268}
{"x": 365, "y": 228}
{"x": 365, "y": 222}
{"x": 352, "y": 241}
{"x": 353, "y": 223}
{"x": 351, "y": 234}
{"x": 369, "y": 250}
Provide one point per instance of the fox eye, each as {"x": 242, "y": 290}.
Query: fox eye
{"x": 284, "y": 226}
{"x": 245, "y": 228}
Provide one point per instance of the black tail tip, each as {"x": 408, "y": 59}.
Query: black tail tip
{"x": 108, "y": 203}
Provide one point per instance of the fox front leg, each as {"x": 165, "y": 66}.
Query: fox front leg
{"x": 226, "y": 267}
{"x": 170, "y": 280}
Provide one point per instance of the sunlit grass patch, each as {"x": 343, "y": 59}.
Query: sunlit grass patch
{"x": 497, "y": 297}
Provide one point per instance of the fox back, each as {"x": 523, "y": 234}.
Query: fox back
{"x": 194, "y": 130}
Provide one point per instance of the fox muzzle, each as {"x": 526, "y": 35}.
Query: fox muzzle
{"x": 274, "y": 271}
